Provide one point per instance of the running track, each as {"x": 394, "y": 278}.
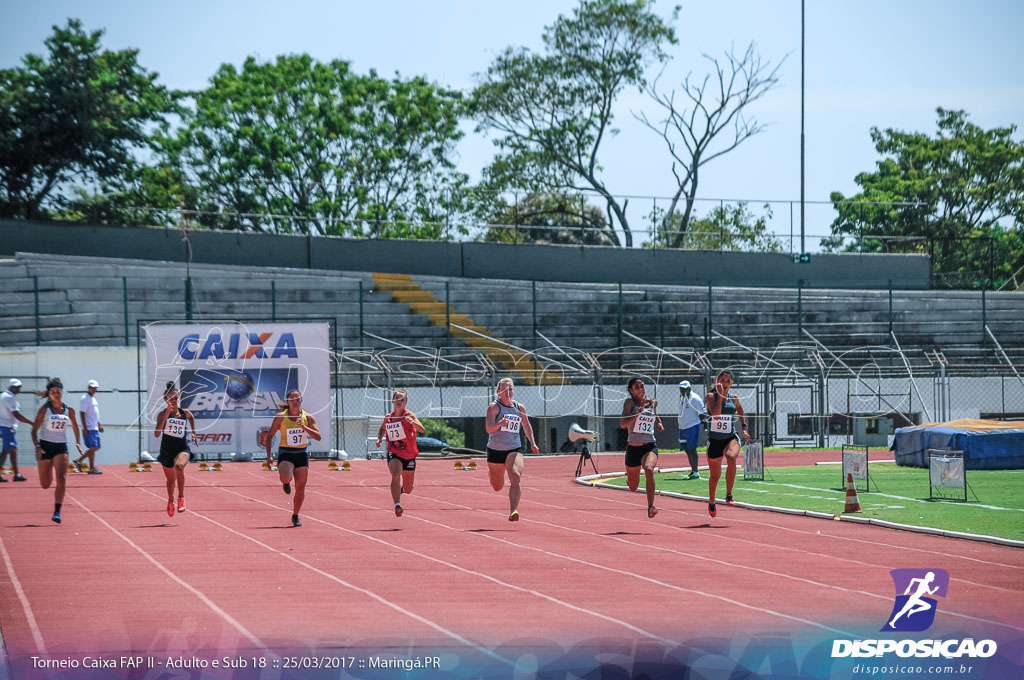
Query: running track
{"x": 582, "y": 570}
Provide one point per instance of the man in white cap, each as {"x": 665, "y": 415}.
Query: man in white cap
{"x": 90, "y": 410}
{"x": 691, "y": 408}
{"x": 10, "y": 414}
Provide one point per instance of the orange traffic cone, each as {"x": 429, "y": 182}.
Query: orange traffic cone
{"x": 852, "y": 502}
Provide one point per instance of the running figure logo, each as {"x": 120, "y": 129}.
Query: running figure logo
{"x": 914, "y": 610}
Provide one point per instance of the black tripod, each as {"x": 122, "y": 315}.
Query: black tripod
{"x": 585, "y": 456}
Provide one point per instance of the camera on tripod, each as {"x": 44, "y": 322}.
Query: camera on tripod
{"x": 576, "y": 434}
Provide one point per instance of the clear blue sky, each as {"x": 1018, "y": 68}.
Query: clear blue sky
{"x": 884, "y": 63}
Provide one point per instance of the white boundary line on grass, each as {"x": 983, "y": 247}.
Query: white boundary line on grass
{"x": 588, "y": 480}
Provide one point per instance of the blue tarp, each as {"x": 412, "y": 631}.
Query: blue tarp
{"x": 983, "y": 450}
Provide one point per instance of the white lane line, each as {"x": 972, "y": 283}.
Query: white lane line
{"x": 885, "y": 543}
{"x": 29, "y": 616}
{"x": 369, "y": 593}
{"x": 613, "y": 570}
{"x": 468, "y": 572}
{"x": 174, "y": 577}
{"x": 760, "y": 544}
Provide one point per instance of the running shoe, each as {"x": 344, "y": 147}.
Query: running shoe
{"x": 170, "y": 508}
{"x": 712, "y": 510}
{"x": 56, "y": 517}
{"x": 693, "y": 475}
{"x": 729, "y": 501}
{"x": 19, "y": 477}
{"x": 3, "y": 479}
{"x": 295, "y": 521}
{"x": 78, "y": 466}
{"x": 94, "y": 471}
{"x": 398, "y": 510}
{"x": 514, "y": 517}
{"x": 651, "y": 511}
{"x": 181, "y": 505}
{"x": 287, "y": 486}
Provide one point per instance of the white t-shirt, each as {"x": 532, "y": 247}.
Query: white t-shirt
{"x": 8, "y": 407}
{"x": 90, "y": 408}
{"x": 690, "y": 410}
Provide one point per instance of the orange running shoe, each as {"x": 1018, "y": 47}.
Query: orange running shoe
{"x": 712, "y": 510}
{"x": 514, "y": 517}
{"x": 170, "y": 508}
{"x": 181, "y": 505}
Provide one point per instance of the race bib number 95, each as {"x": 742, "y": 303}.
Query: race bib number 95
{"x": 721, "y": 424}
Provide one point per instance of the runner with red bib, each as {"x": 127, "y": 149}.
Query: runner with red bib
{"x": 400, "y": 427}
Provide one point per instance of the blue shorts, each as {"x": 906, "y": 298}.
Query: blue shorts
{"x": 690, "y": 437}
{"x": 92, "y": 439}
{"x": 9, "y": 439}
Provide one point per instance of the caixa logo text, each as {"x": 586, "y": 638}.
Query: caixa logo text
{"x": 237, "y": 346}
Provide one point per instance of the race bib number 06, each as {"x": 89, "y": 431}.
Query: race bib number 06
{"x": 514, "y": 422}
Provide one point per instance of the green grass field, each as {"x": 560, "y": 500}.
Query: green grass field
{"x": 994, "y": 507}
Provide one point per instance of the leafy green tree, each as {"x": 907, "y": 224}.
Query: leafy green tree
{"x": 440, "y": 429}
{"x": 725, "y": 227}
{"x": 306, "y": 147}
{"x": 553, "y": 111}
{"x": 958, "y": 196}
{"x": 73, "y": 120}
{"x": 550, "y": 218}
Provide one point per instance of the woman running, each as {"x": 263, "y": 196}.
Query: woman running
{"x": 172, "y": 425}
{"x": 504, "y": 421}
{"x": 723, "y": 439}
{"x": 50, "y": 435}
{"x": 296, "y": 427}
{"x": 640, "y": 418}
{"x": 401, "y": 426}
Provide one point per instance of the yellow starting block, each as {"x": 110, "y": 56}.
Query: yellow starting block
{"x": 140, "y": 467}
{"x": 6, "y": 471}
{"x": 268, "y": 466}
{"x": 472, "y": 465}
{"x": 217, "y": 467}
{"x": 203, "y": 467}
{"x": 458, "y": 465}
{"x": 72, "y": 468}
{"x": 332, "y": 465}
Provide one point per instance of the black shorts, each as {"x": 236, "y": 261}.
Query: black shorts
{"x": 635, "y": 453}
{"x": 297, "y": 457}
{"x": 166, "y": 458}
{"x": 500, "y": 457}
{"x": 51, "y": 449}
{"x": 716, "y": 447}
{"x": 407, "y": 463}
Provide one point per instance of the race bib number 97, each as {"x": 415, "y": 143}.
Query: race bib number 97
{"x": 721, "y": 424}
{"x": 513, "y": 423}
{"x": 395, "y": 431}
{"x": 296, "y": 437}
{"x": 644, "y": 424}
{"x": 174, "y": 427}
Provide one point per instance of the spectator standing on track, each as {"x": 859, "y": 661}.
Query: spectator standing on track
{"x": 50, "y": 435}
{"x": 89, "y": 409}
{"x": 173, "y": 426}
{"x": 691, "y": 408}
{"x": 723, "y": 438}
{"x": 10, "y": 414}
{"x": 505, "y": 423}
{"x": 296, "y": 427}
{"x": 640, "y": 419}
{"x": 401, "y": 426}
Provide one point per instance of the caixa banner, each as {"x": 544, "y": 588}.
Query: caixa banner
{"x": 234, "y": 377}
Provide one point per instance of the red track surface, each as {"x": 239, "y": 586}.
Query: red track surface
{"x": 230, "y": 575}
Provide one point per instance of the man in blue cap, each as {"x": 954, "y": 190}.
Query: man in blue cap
{"x": 691, "y": 408}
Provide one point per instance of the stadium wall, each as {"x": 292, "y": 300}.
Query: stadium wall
{"x": 473, "y": 259}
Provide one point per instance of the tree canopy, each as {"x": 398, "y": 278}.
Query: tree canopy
{"x": 73, "y": 119}
{"x": 958, "y": 195}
